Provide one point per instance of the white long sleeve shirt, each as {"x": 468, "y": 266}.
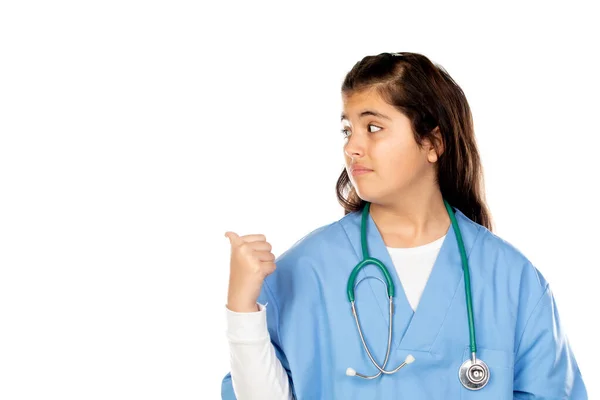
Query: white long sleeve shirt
{"x": 257, "y": 373}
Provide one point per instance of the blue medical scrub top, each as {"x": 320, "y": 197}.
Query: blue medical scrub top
{"x": 517, "y": 326}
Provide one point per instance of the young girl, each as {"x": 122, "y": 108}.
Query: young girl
{"x": 471, "y": 317}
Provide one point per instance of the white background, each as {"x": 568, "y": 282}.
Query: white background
{"x": 134, "y": 134}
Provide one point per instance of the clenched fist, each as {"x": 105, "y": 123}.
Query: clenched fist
{"x": 251, "y": 262}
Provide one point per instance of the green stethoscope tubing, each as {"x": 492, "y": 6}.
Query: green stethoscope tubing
{"x": 390, "y": 284}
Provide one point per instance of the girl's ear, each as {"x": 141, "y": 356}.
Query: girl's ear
{"x": 436, "y": 145}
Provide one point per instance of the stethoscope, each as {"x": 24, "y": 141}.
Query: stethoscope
{"x": 474, "y": 374}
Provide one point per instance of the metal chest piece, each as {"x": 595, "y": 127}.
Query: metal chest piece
{"x": 474, "y": 375}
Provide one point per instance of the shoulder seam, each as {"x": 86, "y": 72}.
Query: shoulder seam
{"x": 537, "y": 304}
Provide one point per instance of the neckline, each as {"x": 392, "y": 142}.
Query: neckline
{"x": 418, "y": 249}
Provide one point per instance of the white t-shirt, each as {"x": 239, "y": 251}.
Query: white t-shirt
{"x": 413, "y": 265}
{"x": 257, "y": 373}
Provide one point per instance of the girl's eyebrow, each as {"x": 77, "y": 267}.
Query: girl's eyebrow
{"x": 366, "y": 112}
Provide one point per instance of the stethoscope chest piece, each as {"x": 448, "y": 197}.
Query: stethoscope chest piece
{"x": 474, "y": 376}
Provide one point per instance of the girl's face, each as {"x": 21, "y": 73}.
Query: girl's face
{"x": 379, "y": 138}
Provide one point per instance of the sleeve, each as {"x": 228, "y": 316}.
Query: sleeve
{"x": 255, "y": 350}
{"x": 545, "y": 367}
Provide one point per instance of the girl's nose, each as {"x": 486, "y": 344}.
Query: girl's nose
{"x": 354, "y": 147}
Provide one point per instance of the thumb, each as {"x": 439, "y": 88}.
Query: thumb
{"x": 233, "y": 237}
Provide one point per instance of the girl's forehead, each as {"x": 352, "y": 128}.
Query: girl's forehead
{"x": 362, "y": 95}
{"x": 363, "y": 99}
{"x": 359, "y": 105}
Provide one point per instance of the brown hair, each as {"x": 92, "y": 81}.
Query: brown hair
{"x": 430, "y": 98}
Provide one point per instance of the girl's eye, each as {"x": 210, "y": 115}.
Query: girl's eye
{"x": 346, "y": 133}
{"x": 374, "y": 126}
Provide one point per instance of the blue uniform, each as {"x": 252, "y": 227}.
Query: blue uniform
{"x": 517, "y": 326}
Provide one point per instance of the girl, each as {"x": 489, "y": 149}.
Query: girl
{"x": 471, "y": 317}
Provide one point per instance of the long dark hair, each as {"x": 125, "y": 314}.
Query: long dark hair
{"x": 429, "y": 97}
